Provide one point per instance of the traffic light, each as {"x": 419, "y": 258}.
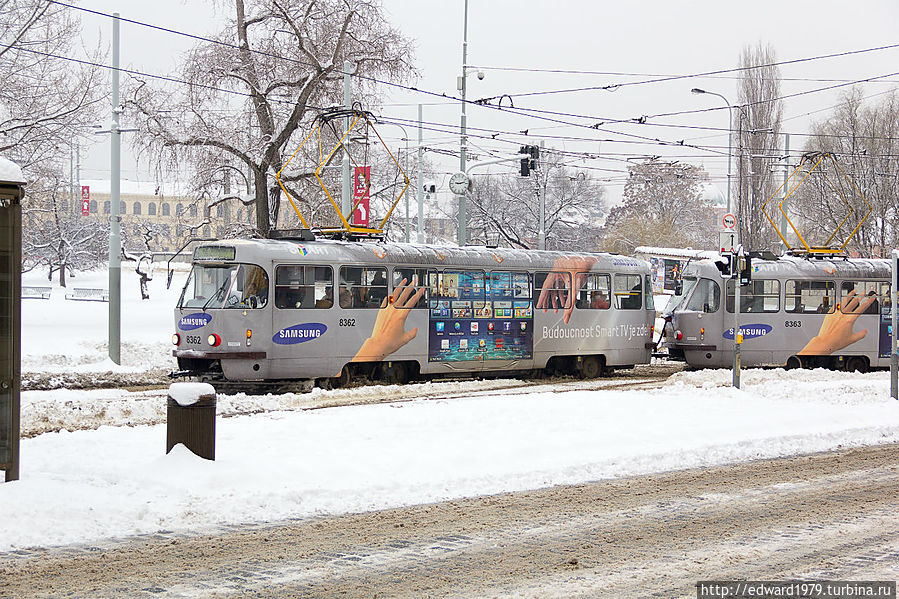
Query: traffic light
{"x": 530, "y": 163}
{"x": 534, "y": 151}
{"x": 745, "y": 273}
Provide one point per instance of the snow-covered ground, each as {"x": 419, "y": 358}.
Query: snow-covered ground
{"x": 287, "y": 462}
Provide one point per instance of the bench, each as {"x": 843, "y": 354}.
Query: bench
{"x": 88, "y": 294}
{"x": 32, "y": 292}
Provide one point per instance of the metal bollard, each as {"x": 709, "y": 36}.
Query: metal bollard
{"x": 191, "y": 418}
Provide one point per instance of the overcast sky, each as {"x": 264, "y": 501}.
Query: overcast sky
{"x": 512, "y": 41}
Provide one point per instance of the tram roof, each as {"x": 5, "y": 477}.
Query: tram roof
{"x": 826, "y": 267}
{"x": 333, "y": 251}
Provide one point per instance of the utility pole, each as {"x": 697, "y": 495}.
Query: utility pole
{"x": 345, "y": 204}
{"x": 421, "y": 189}
{"x": 77, "y": 178}
{"x": 71, "y": 209}
{"x": 783, "y": 215}
{"x": 115, "y": 238}
{"x": 407, "y": 195}
{"x": 462, "y": 233}
{"x": 541, "y": 202}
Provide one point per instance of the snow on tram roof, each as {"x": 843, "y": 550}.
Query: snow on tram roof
{"x": 364, "y": 251}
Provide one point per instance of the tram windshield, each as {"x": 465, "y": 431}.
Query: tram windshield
{"x": 231, "y": 286}
{"x": 687, "y": 285}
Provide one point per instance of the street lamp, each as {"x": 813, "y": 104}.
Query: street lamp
{"x": 737, "y": 259}
{"x": 730, "y": 135}
{"x": 462, "y": 235}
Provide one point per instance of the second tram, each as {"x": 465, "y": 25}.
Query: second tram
{"x": 796, "y": 312}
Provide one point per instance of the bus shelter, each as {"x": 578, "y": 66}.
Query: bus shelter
{"x": 11, "y": 192}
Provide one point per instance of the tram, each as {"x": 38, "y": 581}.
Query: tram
{"x": 326, "y": 312}
{"x": 829, "y": 312}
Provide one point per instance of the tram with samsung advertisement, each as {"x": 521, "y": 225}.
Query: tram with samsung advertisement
{"x": 328, "y": 311}
{"x": 796, "y": 311}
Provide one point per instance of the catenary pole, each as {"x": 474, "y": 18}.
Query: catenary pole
{"x": 541, "y": 200}
{"x": 421, "y": 189}
{"x": 894, "y": 348}
{"x": 462, "y": 234}
{"x": 345, "y": 204}
{"x": 115, "y": 239}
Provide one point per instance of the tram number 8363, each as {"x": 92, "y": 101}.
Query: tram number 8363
{"x": 793, "y": 323}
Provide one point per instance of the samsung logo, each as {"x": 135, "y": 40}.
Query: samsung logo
{"x": 750, "y": 331}
{"x": 299, "y": 333}
{"x": 197, "y": 320}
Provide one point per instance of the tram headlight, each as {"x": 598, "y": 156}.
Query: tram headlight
{"x": 214, "y": 340}
{"x": 249, "y": 336}
{"x": 176, "y": 339}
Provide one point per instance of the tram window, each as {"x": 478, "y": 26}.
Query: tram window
{"x": 593, "y": 291}
{"x": 301, "y": 286}
{"x": 461, "y": 285}
{"x": 361, "y": 287}
{"x": 552, "y": 290}
{"x": 809, "y": 297}
{"x": 235, "y": 286}
{"x": 628, "y": 292}
{"x": 879, "y": 290}
{"x": 706, "y": 297}
{"x": 507, "y": 295}
{"x": 650, "y": 301}
{"x": 762, "y": 295}
{"x": 416, "y": 278}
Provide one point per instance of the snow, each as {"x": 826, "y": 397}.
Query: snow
{"x": 276, "y": 459}
{"x": 187, "y": 394}
{"x": 10, "y": 172}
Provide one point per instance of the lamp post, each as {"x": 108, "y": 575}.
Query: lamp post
{"x": 730, "y": 135}
{"x": 462, "y": 234}
{"x": 737, "y": 260}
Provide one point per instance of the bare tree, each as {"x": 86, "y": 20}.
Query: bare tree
{"x": 862, "y": 176}
{"x": 54, "y": 237}
{"x": 45, "y": 100}
{"x": 663, "y": 205}
{"x": 759, "y": 121}
{"x": 506, "y": 207}
{"x": 250, "y": 93}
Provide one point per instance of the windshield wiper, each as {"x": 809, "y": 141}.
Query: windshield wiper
{"x": 218, "y": 292}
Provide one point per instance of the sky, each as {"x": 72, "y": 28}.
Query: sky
{"x": 94, "y": 465}
{"x": 513, "y": 43}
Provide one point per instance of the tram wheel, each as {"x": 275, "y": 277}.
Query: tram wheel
{"x": 394, "y": 373}
{"x": 857, "y": 364}
{"x": 344, "y": 378}
{"x": 793, "y": 362}
{"x": 591, "y": 367}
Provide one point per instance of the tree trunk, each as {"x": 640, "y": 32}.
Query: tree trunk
{"x": 262, "y": 210}
{"x": 62, "y": 275}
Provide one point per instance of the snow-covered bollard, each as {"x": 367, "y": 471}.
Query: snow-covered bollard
{"x": 191, "y": 418}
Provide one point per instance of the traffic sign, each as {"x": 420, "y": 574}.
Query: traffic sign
{"x": 727, "y": 242}
{"x": 729, "y": 221}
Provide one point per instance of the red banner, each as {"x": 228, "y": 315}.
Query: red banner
{"x": 361, "y": 191}
{"x": 85, "y": 200}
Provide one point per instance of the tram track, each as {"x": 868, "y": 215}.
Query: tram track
{"x": 146, "y": 405}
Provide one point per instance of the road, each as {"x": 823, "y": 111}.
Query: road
{"x": 824, "y": 516}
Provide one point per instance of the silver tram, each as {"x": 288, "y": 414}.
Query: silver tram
{"x": 796, "y": 312}
{"x": 327, "y": 311}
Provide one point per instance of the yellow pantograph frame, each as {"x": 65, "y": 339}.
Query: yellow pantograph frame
{"x": 818, "y": 158}
{"x": 323, "y": 161}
